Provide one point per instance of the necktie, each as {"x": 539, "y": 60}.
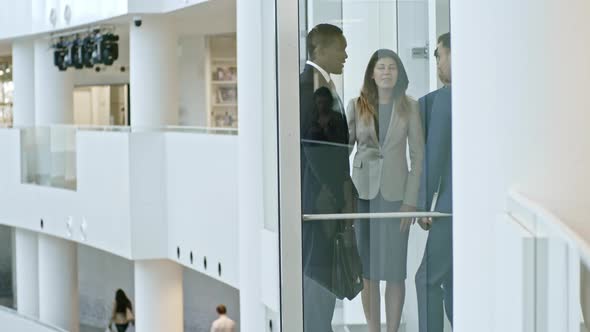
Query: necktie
{"x": 340, "y": 106}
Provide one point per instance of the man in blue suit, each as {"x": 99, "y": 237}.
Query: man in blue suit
{"x": 434, "y": 279}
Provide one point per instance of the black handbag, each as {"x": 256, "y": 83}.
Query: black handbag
{"x": 347, "y": 280}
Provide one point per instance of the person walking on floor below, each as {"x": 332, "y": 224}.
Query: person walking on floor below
{"x": 223, "y": 323}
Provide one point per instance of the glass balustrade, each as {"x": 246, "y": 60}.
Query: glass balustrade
{"x": 48, "y": 154}
{"x": 562, "y": 278}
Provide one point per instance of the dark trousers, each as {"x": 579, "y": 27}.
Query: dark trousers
{"x": 434, "y": 279}
{"x": 122, "y": 327}
{"x": 318, "y": 307}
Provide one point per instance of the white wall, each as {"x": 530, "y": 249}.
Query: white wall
{"x": 101, "y": 199}
{"x": 158, "y": 6}
{"x": 519, "y": 119}
{"x": 138, "y": 195}
{"x": 368, "y": 26}
{"x": 192, "y": 57}
{"x": 202, "y": 203}
{"x": 17, "y": 20}
{"x": 147, "y": 195}
{"x": 82, "y": 12}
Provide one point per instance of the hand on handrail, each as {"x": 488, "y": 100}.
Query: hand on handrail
{"x": 406, "y": 223}
{"x": 425, "y": 223}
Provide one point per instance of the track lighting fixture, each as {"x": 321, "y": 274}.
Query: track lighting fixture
{"x": 86, "y": 49}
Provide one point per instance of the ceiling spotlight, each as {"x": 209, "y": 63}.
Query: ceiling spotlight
{"x": 106, "y": 49}
{"x": 73, "y": 57}
{"x": 59, "y": 55}
{"x": 87, "y": 48}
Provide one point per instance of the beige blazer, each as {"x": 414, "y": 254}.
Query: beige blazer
{"x": 384, "y": 167}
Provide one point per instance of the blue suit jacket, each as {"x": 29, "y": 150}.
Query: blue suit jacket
{"x": 436, "y": 110}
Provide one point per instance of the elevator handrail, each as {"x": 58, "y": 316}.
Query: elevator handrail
{"x": 379, "y": 215}
{"x": 31, "y": 319}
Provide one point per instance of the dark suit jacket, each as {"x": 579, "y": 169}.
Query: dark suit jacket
{"x": 436, "y": 108}
{"x": 324, "y": 169}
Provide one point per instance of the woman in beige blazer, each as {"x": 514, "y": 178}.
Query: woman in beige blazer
{"x": 382, "y": 122}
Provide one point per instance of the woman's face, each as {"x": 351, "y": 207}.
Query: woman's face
{"x": 385, "y": 73}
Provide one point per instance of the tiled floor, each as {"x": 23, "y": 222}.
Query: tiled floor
{"x": 86, "y": 328}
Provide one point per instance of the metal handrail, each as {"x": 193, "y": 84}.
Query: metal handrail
{"x": 31, "y": 319}
{"x": 378, "y": 215}
{"x": 200, "y": 129}
{"x": 530, "y": 212}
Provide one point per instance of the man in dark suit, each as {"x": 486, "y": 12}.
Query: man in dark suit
{"x": 434, "y": 279}
{"x": 325, "y": 175}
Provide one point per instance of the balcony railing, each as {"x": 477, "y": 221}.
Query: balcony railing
{"x": 48, "y": 154}
{"x": 558, "y": 279}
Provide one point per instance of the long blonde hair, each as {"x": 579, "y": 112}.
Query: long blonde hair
{"x": 369, "y": 96}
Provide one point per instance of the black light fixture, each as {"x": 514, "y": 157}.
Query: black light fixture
{"x": 73, "y": 57}
{"x": 59, "y": 55}
{"x": 86, "y": 49}
{"x": 106, "y": 49}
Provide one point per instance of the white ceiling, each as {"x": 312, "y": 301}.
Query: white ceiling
{"x": 206, "y": 18}
{"x": 210, "y": 17}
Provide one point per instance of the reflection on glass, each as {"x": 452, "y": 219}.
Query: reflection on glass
{"x": 380, "y": 151}
{"x": 434, "y": 279}
{"x": 325, "y": 175}
{"x": 585, "y": 294}
{"x": 381, "y": 120}
{"x": 48, "y": 156}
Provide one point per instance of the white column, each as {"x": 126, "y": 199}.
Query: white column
{"x": 158, "y": 296}
{"x": 58, "y": 283}
{"x": 54, "y": 99}
{"x": 154, "y": 72}
{"x": 23, "y": 76}
{"x": 519, "y": 122}
{"x": 26, "y": 272}
{"x": 250, "y": 154}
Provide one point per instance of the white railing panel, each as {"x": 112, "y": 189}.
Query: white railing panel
{"x": 11, "y": 320}
{"x": 202, "y": 202}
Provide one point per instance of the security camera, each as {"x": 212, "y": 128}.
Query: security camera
{"x": 137, "y": 21}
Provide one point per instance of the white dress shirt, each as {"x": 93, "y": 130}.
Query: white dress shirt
{"x": 324, "y": 73}
{"x": 223, "y": 324}
{"x": 340, "y": 107}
